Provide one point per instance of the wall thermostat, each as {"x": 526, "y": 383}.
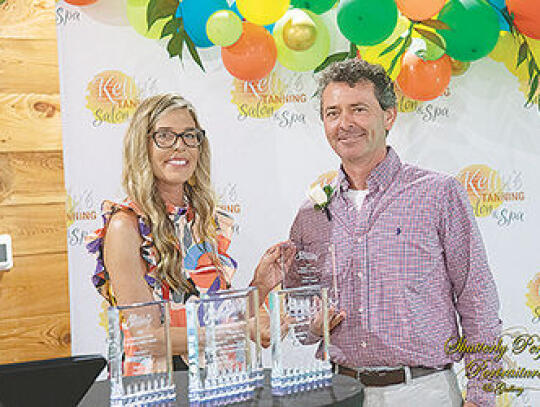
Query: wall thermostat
{"x": 6, "y": 254}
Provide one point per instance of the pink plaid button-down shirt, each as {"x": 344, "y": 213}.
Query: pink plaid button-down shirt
{"x": 408, "y": 264}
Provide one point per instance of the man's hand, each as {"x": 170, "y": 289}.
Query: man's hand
{"x": 269, "y": 271}
{"x": 266, "y": 334}
{"x": 469, "y": 404}
{"x": 334, "y": 319}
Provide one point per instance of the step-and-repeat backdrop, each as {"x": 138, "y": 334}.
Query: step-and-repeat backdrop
{"x": 268, "y": 145}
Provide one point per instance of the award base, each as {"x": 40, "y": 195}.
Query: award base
{"x": 296, "y": 367}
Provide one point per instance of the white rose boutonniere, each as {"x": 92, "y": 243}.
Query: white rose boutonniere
{"x": 321, "y": 197}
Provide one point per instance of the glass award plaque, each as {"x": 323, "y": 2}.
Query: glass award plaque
{"x": 306, "y": 265}
{"x": 139, "y": 354}
{"x": 311, "y": 268}
{"x": 224, "y": 347}
{"x": 296, "y": 363}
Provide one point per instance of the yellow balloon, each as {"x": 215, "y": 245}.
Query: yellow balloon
{"x": 299, "y": 32}
{"x": 136, "y": 15}
{"x": 263, "y": 12}
{"x": 401, "y": 26}
{"x": 372, "y": 55}
{"x": 506, "y": 51}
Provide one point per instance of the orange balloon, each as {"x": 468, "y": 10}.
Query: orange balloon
{"x": 80, "y": 2}
{"x": 526, "y": 16}
{"x": 419, "y": 10}
{"x": 424, "y": 80}
{"x": 253, "y": 56}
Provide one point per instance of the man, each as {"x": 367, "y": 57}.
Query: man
{"x": 409, "y": 257}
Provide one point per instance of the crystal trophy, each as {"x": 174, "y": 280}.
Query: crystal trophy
{"x": 140, "y": 361}
{"x": 224, "y": 347}
{"x": 306, "y": 265}
{"x": 311, "y": 268}
{"x": 296, "y": 364}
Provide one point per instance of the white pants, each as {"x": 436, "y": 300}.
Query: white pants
{"x": 434, "y": 390}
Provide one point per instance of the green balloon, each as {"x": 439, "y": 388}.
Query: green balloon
{"x": 224, "y": 28}
{"x": 474, "y": 29}
{"x": 367, "y": 22}
{"x": 317, "y": 6}
{"x": 301, "y": 61}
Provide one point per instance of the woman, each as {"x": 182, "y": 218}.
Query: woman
{"x": 168, "y": 240}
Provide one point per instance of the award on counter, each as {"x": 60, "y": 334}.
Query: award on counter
{"x": 139, "y": 355}
{"x": 224, "y": 347}
{"x": 296, "y": 363}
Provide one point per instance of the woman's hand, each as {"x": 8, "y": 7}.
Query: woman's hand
{"x": 272, "y": 266}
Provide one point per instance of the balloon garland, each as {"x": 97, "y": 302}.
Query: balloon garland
{"x": 420, "y": 43}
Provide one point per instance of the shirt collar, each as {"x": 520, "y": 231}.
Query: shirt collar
{"x": 380, "y": 177}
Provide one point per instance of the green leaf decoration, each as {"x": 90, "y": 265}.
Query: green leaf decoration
{"x": 532, "y": 68}
{"x": 175, "y": 45}
{"x": 432, "y": 37}
{"x": 508, "y": 18}
{"x": 340, "y": 56}
{"x": 352, "y": 50}
{"x": 193, "y": 51}
{"x": 522, "y": 54}
{"x": 157, "y": 9}
{"x": 392, "y": 46}
{"x": 2, "y": 2}
{"x": 171, "y": 27}
{"x": 532, "y": 90}
{"x": 435, "y": 24}
{"x": 404, "y": 46}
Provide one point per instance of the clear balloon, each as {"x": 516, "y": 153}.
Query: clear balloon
{"x": 424, "y": 80}
{"x": 299, "y": 32}
{"x": 253, "y": 56}
{"x": 474, "y": 29}
{"x": 224, "y": 28}
{"x": 301, "y": 61}
{"x": 367, "y": 22}
{"x": 262, "y": 12}
{"x": 195, "y": 15}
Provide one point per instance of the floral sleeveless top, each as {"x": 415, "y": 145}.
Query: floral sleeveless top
{"x": 196, "y": 254}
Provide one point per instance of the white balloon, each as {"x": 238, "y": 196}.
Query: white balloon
{"x": 110, "y": 12}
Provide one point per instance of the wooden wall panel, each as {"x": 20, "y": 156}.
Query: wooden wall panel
{"x": 34, "y": 301}
{"x": 33, "y": 338}
{"x": 27, "y": 19}
{"x": 36, "y": 285}
{"x": 28, "y": 66}
{"x": 35, "y": 229}
{"x": 32, "y": 178}
{"x": 30, "y": 122}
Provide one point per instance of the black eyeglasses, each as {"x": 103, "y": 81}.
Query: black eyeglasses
{"x": 168, "y": 139}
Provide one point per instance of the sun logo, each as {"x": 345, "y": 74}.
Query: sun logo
{"x": 112, "y": 97}
{"x": 484, "y": 187}
{"x": 258, "y": 99}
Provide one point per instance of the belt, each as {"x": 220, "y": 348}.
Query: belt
{"x": 381, "y": 378}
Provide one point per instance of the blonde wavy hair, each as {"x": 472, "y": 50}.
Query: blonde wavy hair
{"x": 140, "y": 185}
